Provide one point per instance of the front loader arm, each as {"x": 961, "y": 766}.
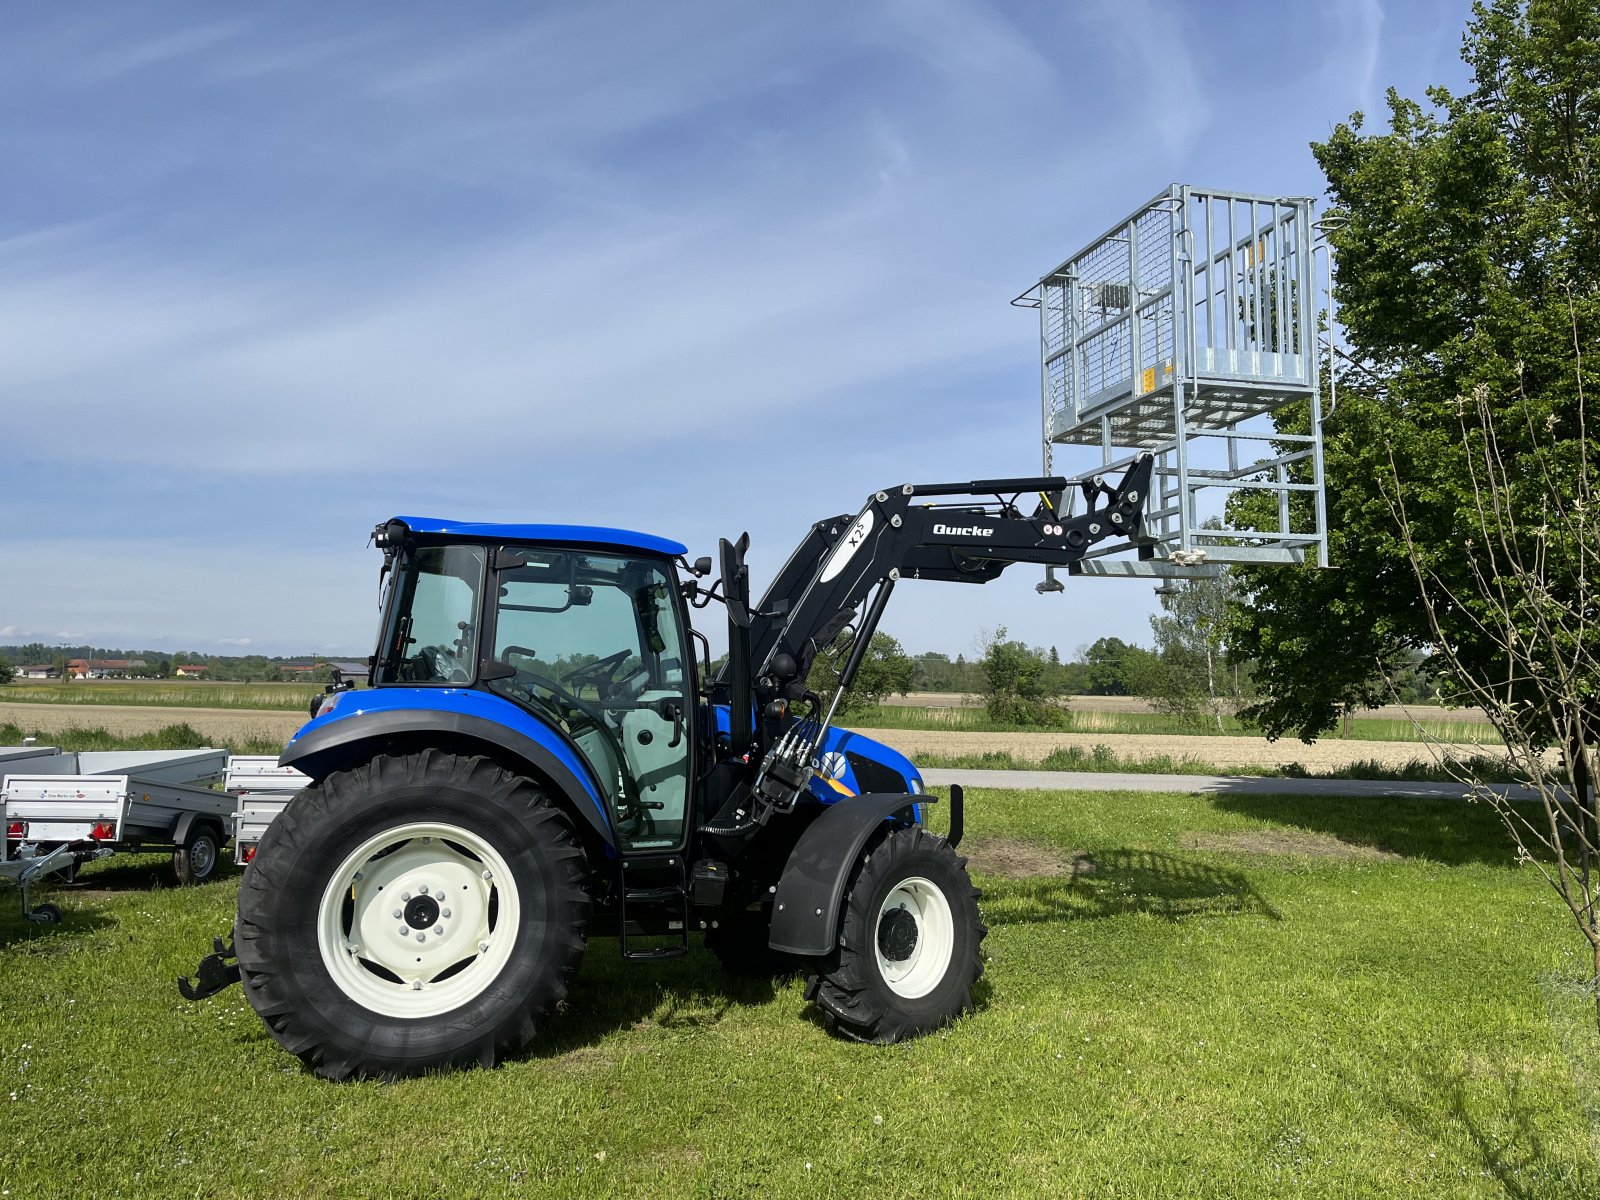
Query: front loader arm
{"x": 918, "y": 531}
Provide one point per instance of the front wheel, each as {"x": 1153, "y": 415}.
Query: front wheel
{"x": 415, "y": 913}
{"x": 910, "y": 946}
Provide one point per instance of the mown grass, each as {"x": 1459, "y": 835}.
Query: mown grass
{"x": 1105, "y": 758}
{"x": 181, "y": 736}
{"x": 177, "y": 694}
{"x": 1360, "y": 1014}
{"x": 976, "y": 719}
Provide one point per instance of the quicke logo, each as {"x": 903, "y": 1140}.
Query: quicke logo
{"x": 963, "y": 530}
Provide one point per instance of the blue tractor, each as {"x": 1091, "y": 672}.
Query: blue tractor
{"x": 542, "y": 757}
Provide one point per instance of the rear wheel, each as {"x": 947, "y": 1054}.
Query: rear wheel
{"x": 412, "y": 914}
{"x": 910, "y": 946}
{"x": 196, "y": 860}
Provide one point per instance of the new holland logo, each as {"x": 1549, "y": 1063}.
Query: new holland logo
{"x": 963, "y": 530}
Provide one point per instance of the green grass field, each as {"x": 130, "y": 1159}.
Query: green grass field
{"x": 976, "y": 719}
{"x": 178, "y": 693}
{"x": 295, "y": 696}
{"x": 1105, "y": 758}
{"x": 1186, "y": 996}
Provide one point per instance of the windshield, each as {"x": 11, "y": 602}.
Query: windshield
{"x": 432, "y": 632}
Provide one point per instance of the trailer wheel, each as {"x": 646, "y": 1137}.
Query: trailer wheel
{"x": 44, "y": 914}
{"x": 415, "y": 913}
{"x": 910, "y": 946}
{"x": 196, "y": 860}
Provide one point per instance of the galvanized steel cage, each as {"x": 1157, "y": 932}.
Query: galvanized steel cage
{"x": 1177, "y": 332}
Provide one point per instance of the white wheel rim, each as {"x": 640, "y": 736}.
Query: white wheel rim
{"x": 918, "y": 972}
{"x": 439, "y": 952}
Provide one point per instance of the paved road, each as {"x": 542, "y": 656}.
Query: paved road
{"x": 1237, "y": 785}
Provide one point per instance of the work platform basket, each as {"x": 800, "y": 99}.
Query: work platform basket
{"x": 1178, "y": 332}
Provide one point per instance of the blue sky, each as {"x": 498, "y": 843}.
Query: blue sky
{"x": 271, "y": 275}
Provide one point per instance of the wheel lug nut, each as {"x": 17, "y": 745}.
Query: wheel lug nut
{"x": 398, "y": 913}
{"x": 483, "y": 947}
{"x": 438, "y": 931}
{"x": 416, "y": 985}
{"x": 405, "y": 895}
{"x": 445, "y": 914}
{"x": 422, "y": 937}
{"x": 422, "y": 889}
{"x": 403, "y": 930}
{"x": 488, "y": 874}
{"x": 438, "y": 895}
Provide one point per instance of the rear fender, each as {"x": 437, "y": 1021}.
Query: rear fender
{"x": 364, "y": 721}
{"x": 810, "y": 895}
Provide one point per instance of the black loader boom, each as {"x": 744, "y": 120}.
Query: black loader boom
{"x": 914, "y": 531}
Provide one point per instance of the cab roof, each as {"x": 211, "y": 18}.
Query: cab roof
{"x": 558, "y": 535}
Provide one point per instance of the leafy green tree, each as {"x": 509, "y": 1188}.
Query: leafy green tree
{"x": 885, "y": 670}
{"x": 1016, "y": 687}
{"x": 1467, "y": 252}
{"x": 1194, "y": 680}
{"x": 1106, "y": 661}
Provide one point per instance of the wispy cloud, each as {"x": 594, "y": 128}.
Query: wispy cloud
{"x": 265, "y": 280}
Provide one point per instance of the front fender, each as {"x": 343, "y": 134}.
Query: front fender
{"x": 810, "y": 895}
{"x": 323, "y": 744}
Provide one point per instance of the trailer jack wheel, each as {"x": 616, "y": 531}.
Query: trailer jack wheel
{"x": 910, "y": 946}
{"x": 45, "y": 914}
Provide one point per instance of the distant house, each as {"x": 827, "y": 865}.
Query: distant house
{"x": 38, "y": 671}
{"x": 350, "y": 670}
{"x": 190, "y": 670}
{"x": 102, "y": 668}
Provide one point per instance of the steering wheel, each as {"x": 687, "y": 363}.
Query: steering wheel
{"x": 549, "y": 685}
{"x": 600, "y": 667}
{"x": 439, "y": 663}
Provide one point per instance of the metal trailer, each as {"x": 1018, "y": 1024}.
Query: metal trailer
{"x": 124, "y": 799}
{"x": 264, "y": 790}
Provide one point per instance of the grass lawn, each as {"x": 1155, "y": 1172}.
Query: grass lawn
{"x": 1186, "y": 996}
{"x": 976, "y": 719}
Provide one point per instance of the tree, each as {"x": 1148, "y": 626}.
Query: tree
{"x": 1016, "y": 689}
{"x": 1467, "y": 251}
{"x": 1192, "y": 678}
{"x": 885, "y": 670}
{"x": 1106, "y": 661}
{"x": 1533, "y": 580}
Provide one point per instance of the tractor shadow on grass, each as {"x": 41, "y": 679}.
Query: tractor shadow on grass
{"x": 1114, "y": 883}
{"x": 21, "y": 936}
{"x": 681, "y": 995}
{"x": 1450, "y": 832}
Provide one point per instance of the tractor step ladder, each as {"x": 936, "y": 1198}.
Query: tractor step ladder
{"x": 657, "y": 883}
{"x": 1179, "y": 332}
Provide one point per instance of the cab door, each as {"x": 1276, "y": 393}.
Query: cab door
{"x": 595, "y": 646}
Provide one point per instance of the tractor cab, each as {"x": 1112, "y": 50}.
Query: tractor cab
{"x": 582, "y": 629}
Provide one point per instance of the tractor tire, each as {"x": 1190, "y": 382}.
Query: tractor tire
{"x": 413, "y": 914}
{"x": 196, "y": 861}
{"x": 910, "y": 946}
